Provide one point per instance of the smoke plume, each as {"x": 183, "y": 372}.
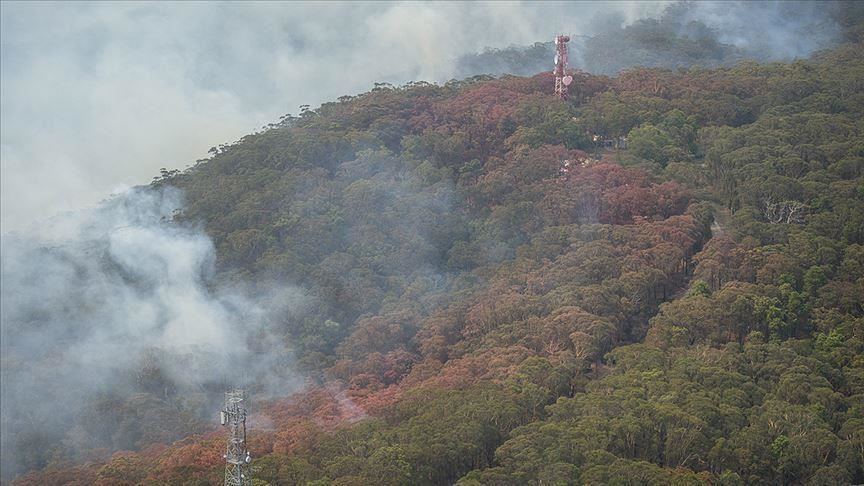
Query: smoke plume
{"x": 681, "y": 35}
{"x": 111, "y": 317}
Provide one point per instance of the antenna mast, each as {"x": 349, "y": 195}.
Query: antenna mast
{"x": 236, "y": 456}
{"x": 562, "y": 79}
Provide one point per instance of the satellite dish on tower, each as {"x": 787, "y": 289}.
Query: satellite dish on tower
{"x": 562, "y": 80}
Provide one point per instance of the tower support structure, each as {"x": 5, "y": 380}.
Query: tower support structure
{"x": 237, "y": 458}
{"x": 562, "y": 79}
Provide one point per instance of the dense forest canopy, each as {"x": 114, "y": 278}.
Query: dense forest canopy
{"x": 474, "y": 289}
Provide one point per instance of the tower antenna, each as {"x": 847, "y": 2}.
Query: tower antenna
{"x": 562, "y": 79}
{"x": 237, "y": 457}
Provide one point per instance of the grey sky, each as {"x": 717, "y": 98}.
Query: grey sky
{"x": 99, "y": 96}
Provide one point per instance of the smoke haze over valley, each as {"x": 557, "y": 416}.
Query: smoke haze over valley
{"x": 424, "y": 262}
{"x": 122, "y": 89}
{"x": 116, "y": 301}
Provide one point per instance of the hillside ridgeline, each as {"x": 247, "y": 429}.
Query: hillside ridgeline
{"x": 496, "y": 298}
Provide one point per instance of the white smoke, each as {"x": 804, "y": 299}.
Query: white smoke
{"x": 100, "y": 297}
{"x": 770, "y": 30}
{"x": 100, "y": 94}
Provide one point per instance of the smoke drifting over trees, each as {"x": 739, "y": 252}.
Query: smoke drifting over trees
{"x": 122, "y": 327}
{"x": 114, "y": 333}
{"x": 455, "y": 283}
{"x": 685, "y": 34}
{"x": 154, "y": 71}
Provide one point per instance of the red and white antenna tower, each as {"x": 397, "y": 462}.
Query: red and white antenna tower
{"x": 237, "y": 457}
{"x": 562, "y": 79}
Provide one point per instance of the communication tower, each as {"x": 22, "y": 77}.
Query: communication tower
{"x": 562, "y": 79}
{"x": 237, "y": 457}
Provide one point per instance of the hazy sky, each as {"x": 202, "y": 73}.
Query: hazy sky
{"x": 96, "y": 97}
{"x": 99, "y": 96}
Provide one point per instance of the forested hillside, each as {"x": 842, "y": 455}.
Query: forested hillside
{"x": 683, "y": 34}
{"x": 495, "y": 297}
